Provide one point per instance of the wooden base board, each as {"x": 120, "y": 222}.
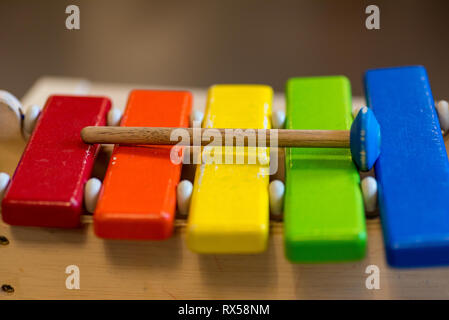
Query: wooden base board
{"x": 35, "y": 260}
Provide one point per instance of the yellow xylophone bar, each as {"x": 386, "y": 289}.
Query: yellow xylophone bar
{"x": 229, "y": 210}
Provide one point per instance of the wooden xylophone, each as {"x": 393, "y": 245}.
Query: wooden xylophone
{"x": 228, "y": 212}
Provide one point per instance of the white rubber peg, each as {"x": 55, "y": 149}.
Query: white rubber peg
{"x": 114, "y": 117}
{"x": 278, "y": 119}
{"x": 12, "y": 102}
{"x": 91, "y": 192}
{"x": 276, "y": 192}
{"x": 443, "y": 114}
{"x": 369, "y": 191}
{"x": 4, "y": 181}
{"x": 10, "y": 117}
{"x": 30, "y": 119}
{"x": 183, "y": 195}
{"x": 355, "y": 111}
{"x": 196, "y": 116}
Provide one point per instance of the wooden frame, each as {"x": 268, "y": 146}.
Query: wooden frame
{"x": 33, "y": 261}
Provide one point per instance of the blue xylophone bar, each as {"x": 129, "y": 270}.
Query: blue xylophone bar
{"x": 412, "y": 170}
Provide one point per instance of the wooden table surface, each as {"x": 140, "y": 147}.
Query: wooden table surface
{"x": 34, "y": 261}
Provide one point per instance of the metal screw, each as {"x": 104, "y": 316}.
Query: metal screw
{"x": 8, "y": 288}
{"x": 4, "y": 241}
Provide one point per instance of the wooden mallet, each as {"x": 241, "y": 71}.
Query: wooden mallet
{"x": 363, "y": 139}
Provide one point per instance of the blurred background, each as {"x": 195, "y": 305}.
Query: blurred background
{"x": 202, "y": 42}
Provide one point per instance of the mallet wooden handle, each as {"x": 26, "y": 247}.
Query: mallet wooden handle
{"x": 161, "y": 136}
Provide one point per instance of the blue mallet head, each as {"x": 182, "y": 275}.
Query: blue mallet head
{"x": 365, "y": 139}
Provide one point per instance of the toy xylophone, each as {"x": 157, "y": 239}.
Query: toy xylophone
{"x": 228, "y": 205}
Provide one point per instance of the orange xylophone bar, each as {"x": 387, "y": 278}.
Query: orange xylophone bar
{"x": 138, "y": 197}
